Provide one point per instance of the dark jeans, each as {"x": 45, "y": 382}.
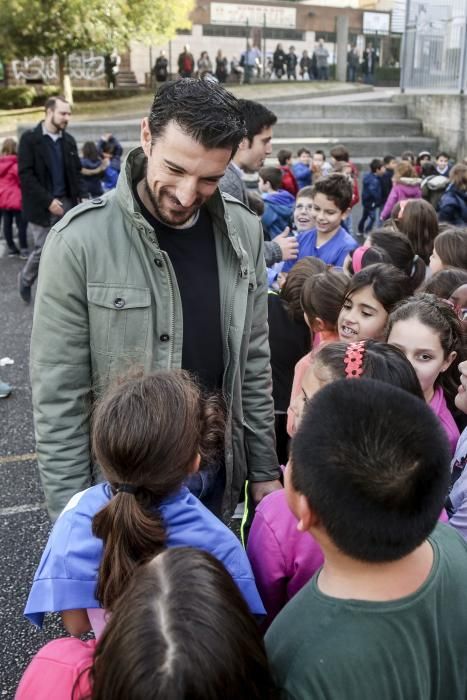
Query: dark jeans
{"x": 370, "y": 214}
{"x": 8, "y": 215}
{"x": 352, "y": 72}
{"x": 208, "y": 484}
{"x": 323, "y": 73}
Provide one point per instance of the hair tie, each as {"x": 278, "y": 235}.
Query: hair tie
{"x": 414, "y": 265}
{"x": 353, "y": 359}
{"x": 357, "y": 257}
{"x": 127, "y": 488}
{"x": 402, "y": 204}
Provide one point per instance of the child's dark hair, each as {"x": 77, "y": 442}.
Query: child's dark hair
{"x": 390, "y": 285}
{"x": 272, "y": 175}
{"x": 283, "y": 156}
{"x": 371, "y": 256}
{"x": 402, "y": 254}
{"x": 90, "y": 150}
{"x": 147, "y": 433}
{"x": 419, "y": 222}
{"x": 408, "y": 156}
{"x": 320, "y": 152}
{"x": 380, "y": 361}
{"x": 442, "y": 154}
{"x": 337, "y": 188}
{"x": 451, "y": 246}
{"x": 340, "y": 152}
{"x": 444, "y": 282}
{"x": 181, "y": 629}
{"x": 440, "y": 316}
{"x": 387, "y": 159}
{"x": 303, "y": 270}
{"x": 322, "y": 297}
{"x": 375, "y": 165}
{"x": 108, "y": 148}
{"x": 428, "y": 168}
{"x": 370, "y": 454}
{"x": 303, "y": 150}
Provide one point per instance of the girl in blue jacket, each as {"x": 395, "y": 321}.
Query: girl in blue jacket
{"x": 149, "y": 434}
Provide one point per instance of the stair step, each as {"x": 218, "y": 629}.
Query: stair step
{"x": 356, "y": 110}
{"x": 368, "y": 147}
{"x": 350, "y": 127}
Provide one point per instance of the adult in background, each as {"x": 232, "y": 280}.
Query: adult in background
{"x": 249, "y": 158}
{"x": 161, "y": 68}
{"x": 222, "y": 67}
{"x": 51, "y": 184}
{"x": 322, "y": 60}
{"x": 278, "y": 61}
{"x": 186, "y": 62}
{"x": 164, "y": 272}
{"x": 291, "y": 61}
{"x": 250, "y": 60}
{"x": 305, "y": 66}
{"x": 353, "y": 62}
{"x": 204, "y": 65}
{"x": 370, "y": 59}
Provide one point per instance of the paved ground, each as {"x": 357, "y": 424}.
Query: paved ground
{"x": 24, "y": 524}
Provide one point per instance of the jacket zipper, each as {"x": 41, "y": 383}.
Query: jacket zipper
{"x": 172, "y": 310}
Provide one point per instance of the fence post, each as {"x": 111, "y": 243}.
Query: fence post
{"x": 404, "y": 45}
{"x": 462, "y": 72}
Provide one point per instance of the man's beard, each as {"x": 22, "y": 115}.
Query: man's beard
{"x": 59, "y": 127}
{"x": 158, "y": 211}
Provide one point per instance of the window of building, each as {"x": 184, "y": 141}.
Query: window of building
{"x": 229, "y": 30}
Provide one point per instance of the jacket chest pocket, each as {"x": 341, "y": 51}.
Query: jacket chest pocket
{"x": 119, "y": 318}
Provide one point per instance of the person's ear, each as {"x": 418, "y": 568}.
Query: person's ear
{"x": 449, "y": 360}
{"x": 244, "y": 144}
{"x": 146, "y": 138}
{"x": 306, "y": 515}
{"x": 195, "y": 464}
{"x": 318, "y": 325}
{"x": 346, "y": 213}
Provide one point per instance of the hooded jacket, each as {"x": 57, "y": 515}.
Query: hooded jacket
{"x": 302, "y": 174}
{"x": 278, "y": 210}
{"x": 453, "y": 207}
{"x": 10, "y": 189}
{"x": 433, "y": 188}
{"x": 405, "y": 188}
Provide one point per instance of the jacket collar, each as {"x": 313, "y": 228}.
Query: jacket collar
{"x": 133, "y": 171}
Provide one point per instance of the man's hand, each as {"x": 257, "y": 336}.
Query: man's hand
{"x": 260, "y": 489}
{"x": 288, "y": 245}
{"x": 56, "y": 207}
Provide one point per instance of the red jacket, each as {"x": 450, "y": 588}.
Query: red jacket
{"x": 289, "y": 182}
{"x": 10, "y": 190}
{"x": 355, "y": 194}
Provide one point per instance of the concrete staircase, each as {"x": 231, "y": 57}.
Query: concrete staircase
{"x": 368, "y": 129}
{"x": 126, "y": 78}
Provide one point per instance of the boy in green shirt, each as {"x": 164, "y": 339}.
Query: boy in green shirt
{"x": 386, "y": 616}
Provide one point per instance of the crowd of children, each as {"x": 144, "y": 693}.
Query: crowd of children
{"x": 352, "y": 581}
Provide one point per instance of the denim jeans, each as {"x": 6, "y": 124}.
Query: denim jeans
{"x": 208, "y": 484}
{"x": 370, "y": 214}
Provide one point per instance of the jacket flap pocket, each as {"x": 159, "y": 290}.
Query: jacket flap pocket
{"x": 116, "y": 296}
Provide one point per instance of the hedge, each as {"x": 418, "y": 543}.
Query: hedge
{"x": 22, "y": 96}
{"x": 17, "y": 97}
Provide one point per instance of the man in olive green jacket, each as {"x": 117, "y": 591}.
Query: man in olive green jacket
{"x": 109, "y": 297}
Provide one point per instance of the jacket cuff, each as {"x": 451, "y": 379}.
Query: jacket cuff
{"x": 272, "y": 253}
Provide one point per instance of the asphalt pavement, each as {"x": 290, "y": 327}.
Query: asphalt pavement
{"x": 24, "y": 523}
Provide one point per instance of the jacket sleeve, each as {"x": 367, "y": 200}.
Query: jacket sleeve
{"x": 272, "y": 253}
{"x": 258, "y": 407}
{"x": 390, "y": 202}
{"x": 61, "y": 374}
{"x": 30, "y": 185}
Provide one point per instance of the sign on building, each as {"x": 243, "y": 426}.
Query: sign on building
{"x": 376, "y": 22}
{"x": 255, "y": 15}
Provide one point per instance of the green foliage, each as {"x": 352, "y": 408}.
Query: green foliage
{"x": 43, "y": 27}
{"x": 17, "y": 97}
{"x": 98, "y": 94}
{"x": 387, "y": 75}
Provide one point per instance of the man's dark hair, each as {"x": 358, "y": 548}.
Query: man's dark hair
{"x": 257, "y": 117}
{"x": 376, "y": 164}
{"x": 387, "y": 159}
{"x": 204, "y": 110}
{"x": 340, "y": 152}
{"x": 51, "y": 102}
{"x": 283, "y": 156}
{"x": 337, "y": 188}
{"x": 373, "y": 455}
{"x": 271, "y": 175}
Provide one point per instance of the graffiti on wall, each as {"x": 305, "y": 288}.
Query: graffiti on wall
{"x": 83, "y": 65}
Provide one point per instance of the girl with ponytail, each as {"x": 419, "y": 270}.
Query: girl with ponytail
{"x": 149, "y": 434}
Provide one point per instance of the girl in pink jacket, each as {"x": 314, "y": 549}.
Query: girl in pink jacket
{"x": 405, "y": 185}
{"x": 10, "y": 200}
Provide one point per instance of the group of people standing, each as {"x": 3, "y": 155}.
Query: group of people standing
{"x": 314, "y": 67}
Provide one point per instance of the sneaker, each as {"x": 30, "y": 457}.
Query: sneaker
{"x": 5, "y": 390}
{"x": 13, "y": 252}
{"x": 24, "y": 290}
{"x": 24, "y": 254}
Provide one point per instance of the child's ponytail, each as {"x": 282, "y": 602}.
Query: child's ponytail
{"x": 133, "y": 533}
{"x": 148, "y": 434}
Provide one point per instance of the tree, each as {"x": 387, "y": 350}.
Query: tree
{"x": 42, "y": 27}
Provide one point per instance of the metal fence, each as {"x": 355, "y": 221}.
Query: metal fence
{"x": 434, "y": 50}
